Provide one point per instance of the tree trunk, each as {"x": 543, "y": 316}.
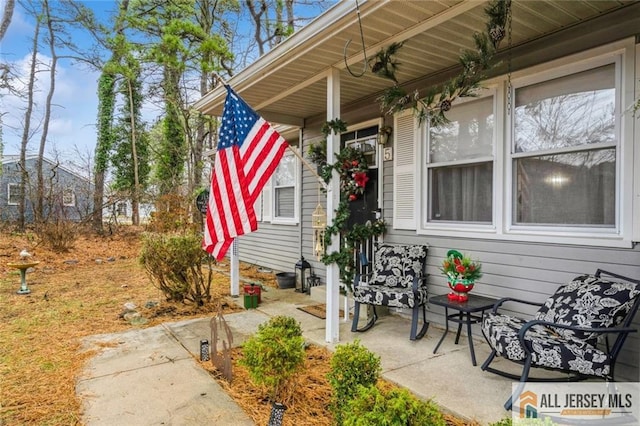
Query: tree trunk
{"x": 135, "y": 199}
{"x": 106, "y": 94}
{"x": 39, "y": 211}
{"x": 6, "y": 17}
{"x": 24, "y": 175}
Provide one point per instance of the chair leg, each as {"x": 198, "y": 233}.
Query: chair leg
{"x": 414, "y": 323}
{"x": 356, "y": 317}
{"x": 525, "y": 375}
{"x": 488, "y": 361}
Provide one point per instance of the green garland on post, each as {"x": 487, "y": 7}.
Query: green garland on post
{"x": 474, "y": 65}
{"x": 351, "y": 165}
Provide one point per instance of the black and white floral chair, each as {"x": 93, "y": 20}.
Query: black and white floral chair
{"x": 397, "y": 280}
{"x": 578, "y": 331}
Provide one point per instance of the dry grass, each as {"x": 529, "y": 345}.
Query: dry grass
{"x": 41, "y": 333}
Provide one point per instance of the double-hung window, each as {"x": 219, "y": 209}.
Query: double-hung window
{"x": 284, "y": 189}
{"x": 564, "y": 151}
{"x": 68, "y": 197}
{"x": 279, "y": 200}
{"x": 544, "y": 156}
{"x": 460, "y": 164}
{"x": 13, "y": 194}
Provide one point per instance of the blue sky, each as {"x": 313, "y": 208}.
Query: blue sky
{"x": 72, "y": 126}
{"x": 72, "y": 131}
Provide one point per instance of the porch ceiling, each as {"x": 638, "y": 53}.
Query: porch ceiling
{"x": 288, "y": 84}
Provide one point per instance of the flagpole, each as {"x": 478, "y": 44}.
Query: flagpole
{"x": 310, "y": 167}
{"x": 297, "y": 154}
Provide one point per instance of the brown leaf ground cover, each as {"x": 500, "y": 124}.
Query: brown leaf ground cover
{"x": 81, "y": 293}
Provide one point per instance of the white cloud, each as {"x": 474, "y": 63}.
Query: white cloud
{"x": 74, "y": 106}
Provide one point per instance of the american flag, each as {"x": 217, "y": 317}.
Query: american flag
{"x": 249, "y": 151}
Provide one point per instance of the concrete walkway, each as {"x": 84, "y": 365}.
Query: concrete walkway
{"x": 152, "y": 377}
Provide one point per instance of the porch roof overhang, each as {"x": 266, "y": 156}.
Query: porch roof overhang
{"x": 287, "y": 85}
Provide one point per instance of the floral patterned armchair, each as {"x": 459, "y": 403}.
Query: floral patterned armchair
{"x": 397, "y": 280}
{"x": 578, "y": 331}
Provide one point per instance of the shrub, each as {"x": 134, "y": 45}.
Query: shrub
{"x": 172, "y": 214}
{"x": 59, "y": 234}
{"x": 396, "y": 407}
{"x": 289, "y": 325}
{"x": 352, "y": 365}
{"x": 274, "y": 354}
{"x": 174, "y": 263}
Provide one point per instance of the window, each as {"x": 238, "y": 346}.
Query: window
{"x": 13, "y": 194}
{"x": 279, "y": 200}
{"x": 121, "y": 209}
{"x": 564, "y": 151}
{"x": 459, "y": 167}
{"x": 284, "y": 188}
{"x": 365, "y": 140}
{"x": 551, "y": 161}
{"x": 68, "y": 197}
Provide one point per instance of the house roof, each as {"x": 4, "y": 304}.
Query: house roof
{"x": 287, "y": 84}
{"x": 9, "y": 159}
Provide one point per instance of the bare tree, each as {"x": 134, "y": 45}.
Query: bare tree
{"x": 47, "y": 115}
{"x": 26, "y": 129}
{"x": 6, "y": 17}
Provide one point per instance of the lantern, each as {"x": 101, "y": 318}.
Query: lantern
{"x": 318, "y": 224}
{"x": 303, "y": 271}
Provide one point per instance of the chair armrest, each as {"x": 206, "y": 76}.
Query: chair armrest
{"x": 602, "y": 330}
{"x": 357, "y": 278}
{"x": 499, "y": 303}
{"x": 599, "y": 273}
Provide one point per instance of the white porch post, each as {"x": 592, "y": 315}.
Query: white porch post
{"x": 234, "y": 269}
{"x": 332, "y": 332}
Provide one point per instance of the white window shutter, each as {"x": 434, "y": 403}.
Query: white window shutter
{"x": 267, "y": 202}
{"x": 404, "y": 170}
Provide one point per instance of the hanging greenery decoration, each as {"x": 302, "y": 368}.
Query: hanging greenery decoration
{"x": 352, "y": 168}
{"x": 475, "y": 63}
{"x": 383, "y": 63}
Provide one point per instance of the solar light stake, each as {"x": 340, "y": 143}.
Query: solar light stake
{"x": 204, "y": 350}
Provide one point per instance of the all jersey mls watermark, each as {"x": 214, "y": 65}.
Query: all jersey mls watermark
{"x": 577, "y": 403}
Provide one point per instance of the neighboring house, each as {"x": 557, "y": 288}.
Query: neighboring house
{"x": 538, "y": 177}
{"x": 118, "y": 211}
{"x": 67, "y": 195}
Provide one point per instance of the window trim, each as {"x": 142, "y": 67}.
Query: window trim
{"x": 277, "y": 220}
{"x": 72, "y": 203}
{"x": 558, "y": 72}
{"x": 9, "y": 191}
{"x": 623, "y": 234}
{"x": 441, "y": 227}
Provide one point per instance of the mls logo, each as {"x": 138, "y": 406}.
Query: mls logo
{"x": 528, "y": 405}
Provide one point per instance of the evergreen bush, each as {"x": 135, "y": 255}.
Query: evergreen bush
{"x": 352, "y": 365}
{"x": 274, "y": 354}
{"x": 395, "y": 407}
